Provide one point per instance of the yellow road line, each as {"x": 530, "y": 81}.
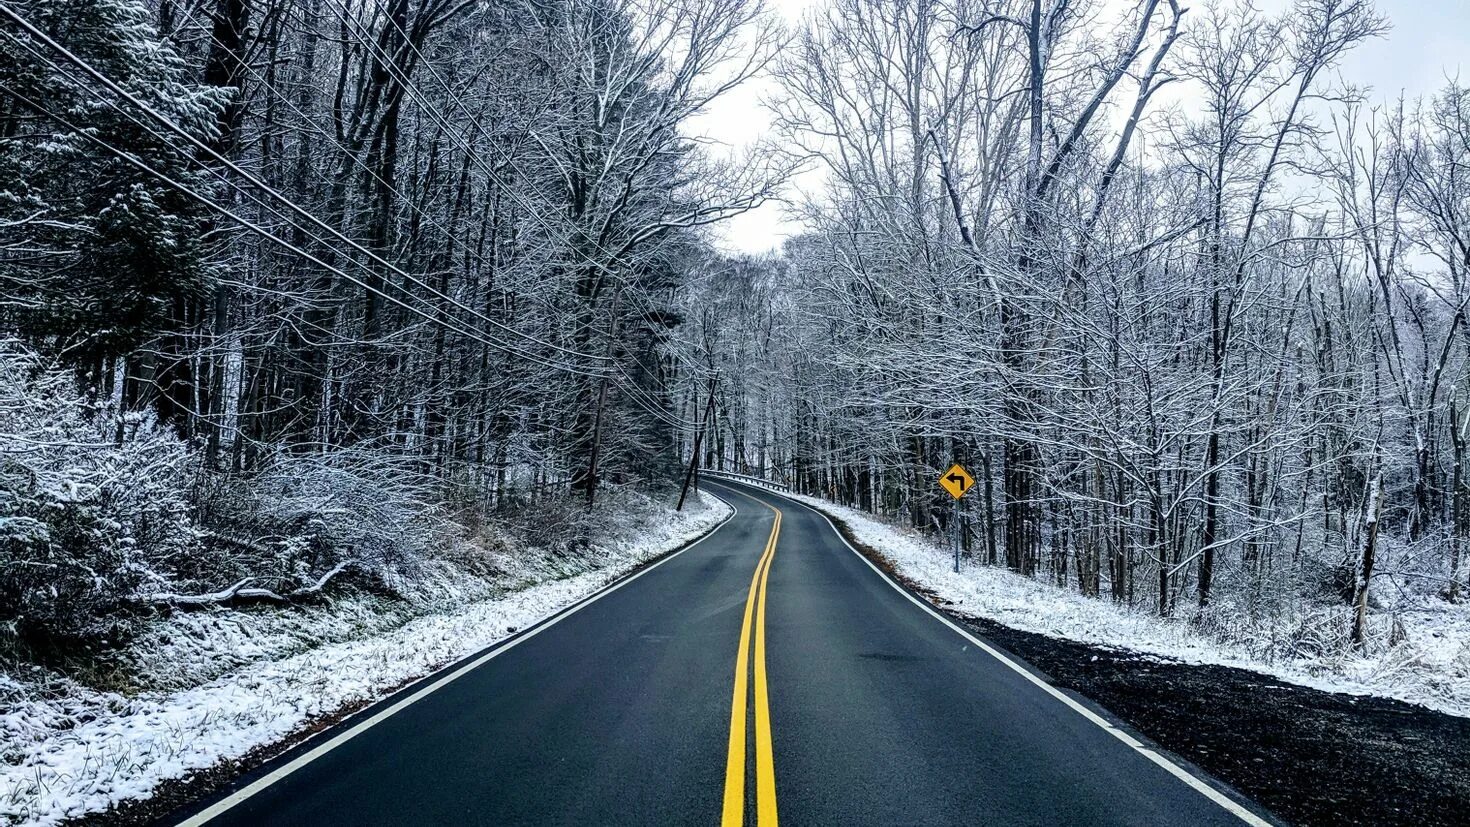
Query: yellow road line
{"x": 765, "y": 768}
{"x": 755, "y": 609}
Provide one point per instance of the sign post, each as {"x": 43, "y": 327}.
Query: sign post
{"x": 958, "y": 541}
{"x": 956, "y": 481}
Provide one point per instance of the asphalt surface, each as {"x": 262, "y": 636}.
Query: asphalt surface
{"x": 620, "y": 713}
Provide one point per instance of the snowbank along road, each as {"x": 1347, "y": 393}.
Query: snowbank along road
{"x": 850, "y": 701}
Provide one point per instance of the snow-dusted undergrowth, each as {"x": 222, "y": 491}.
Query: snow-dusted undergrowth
{"x": 1429, "y": 663}
{"x": 69, "y": 750}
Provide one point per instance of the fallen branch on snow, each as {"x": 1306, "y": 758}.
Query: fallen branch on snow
{"x": 240, "y": 593}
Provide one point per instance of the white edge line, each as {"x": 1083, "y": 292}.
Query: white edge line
{"x": 1230, "y": 805}
{"x": 433, "y": 681}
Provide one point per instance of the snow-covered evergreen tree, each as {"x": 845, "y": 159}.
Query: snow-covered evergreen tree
{"x": 96, "y": 246}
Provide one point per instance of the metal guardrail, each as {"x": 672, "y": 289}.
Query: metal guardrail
{"x": 764, "y": 483}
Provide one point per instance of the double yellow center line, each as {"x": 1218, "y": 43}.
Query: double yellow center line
{"x": 765, "y": 773}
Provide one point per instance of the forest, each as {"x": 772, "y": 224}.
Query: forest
{"x": 1189, "y": 305}
{"x": 295, "y": 289}
{"x": 292, "y": 288}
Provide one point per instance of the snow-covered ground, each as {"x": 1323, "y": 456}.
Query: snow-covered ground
{"x": 68, "y": 749}
{"x": 1429, "y": 665}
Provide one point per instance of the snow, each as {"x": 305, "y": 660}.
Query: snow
{"x": 1430, "y": 666}
{"x": 70, "y": 750}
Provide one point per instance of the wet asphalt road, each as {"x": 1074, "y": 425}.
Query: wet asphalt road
{"x": 620, "y": 712}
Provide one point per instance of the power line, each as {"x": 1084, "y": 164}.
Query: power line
{"x": 358, "y": 162}
{"x": 246, "y": 223}
{"x": 412, "y": 89}
{"x": 646, "y": 402}
{"x": 636, "y": 394}
{"x": 417, "y": 95}
{"x": 293, "y": 206}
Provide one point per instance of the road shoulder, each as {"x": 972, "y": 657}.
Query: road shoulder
{"x": 1309, "y": 756}
{"x": 177, "y": 798}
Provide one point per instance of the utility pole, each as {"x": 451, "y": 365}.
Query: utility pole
{"x": 709, "y": 410}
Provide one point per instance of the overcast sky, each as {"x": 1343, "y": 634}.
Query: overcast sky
{"x": 1429, "y": 42}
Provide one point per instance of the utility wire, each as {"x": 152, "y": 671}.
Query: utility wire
{"x": 417, "y": 95}
{"x": 638, "y": 395}
{"x": 642, "y": 397}
{"x": 246, "y": 223}
{"x": 293, "y": 206}
{"x": 411, "y": 88}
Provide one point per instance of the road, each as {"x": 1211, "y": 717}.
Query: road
{"x": 767, "y": 671}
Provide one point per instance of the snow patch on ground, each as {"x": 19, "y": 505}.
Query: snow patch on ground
{"x": 69, "y": 750}
{"x": 1429, "y": 666}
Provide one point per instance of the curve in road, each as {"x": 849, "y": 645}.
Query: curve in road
{"x": 869, "y": 708}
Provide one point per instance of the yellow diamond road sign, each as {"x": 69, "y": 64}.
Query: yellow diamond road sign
{"x": 956, "y": 481}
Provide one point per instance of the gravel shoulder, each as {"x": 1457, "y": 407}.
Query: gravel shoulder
{"x": 1310, "y": 757}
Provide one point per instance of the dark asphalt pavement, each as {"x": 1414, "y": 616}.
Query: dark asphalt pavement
{"x": 619, "y": 713}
